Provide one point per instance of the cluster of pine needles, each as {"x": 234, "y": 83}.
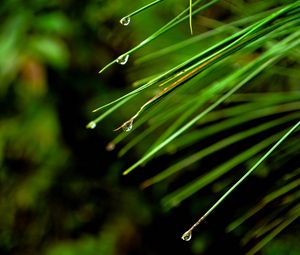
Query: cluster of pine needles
{"x": 240, "y": 91}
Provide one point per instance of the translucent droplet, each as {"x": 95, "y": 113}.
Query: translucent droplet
{"x": 91, "y": 125}
{"x": 127, "y": 126}
{"x": 187, "y": 236}
{"x": 122, "y": 60}
{"x": 125, "y": 21}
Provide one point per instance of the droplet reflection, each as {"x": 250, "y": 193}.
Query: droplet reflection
{"x": 91, "y": 125}
{"x": 127, "y": 126}
{"x": 122, "y": 60}
{"x": 187, "y": 236}
{"x": 125, "y": 21}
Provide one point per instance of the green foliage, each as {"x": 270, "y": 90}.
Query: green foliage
{"x": 231, "y": 92}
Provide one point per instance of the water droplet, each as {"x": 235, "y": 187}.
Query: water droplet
{"x": 91, "y": 125}
{"x": 127, "y": 126}
{"x": 187, "y": 236}
{"x": 122, "y": 60}
{"x": 125, "y": 21}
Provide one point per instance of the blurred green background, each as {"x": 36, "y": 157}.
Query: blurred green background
{"x": 61, "y": 192}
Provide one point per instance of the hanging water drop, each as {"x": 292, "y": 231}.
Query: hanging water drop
{"x": 122, "y": 60}
{"x": 125, "y": 21}
{"x": 91, "y": 125}
{"x": 127, "y": 126}
{"x": 187, "y": 236}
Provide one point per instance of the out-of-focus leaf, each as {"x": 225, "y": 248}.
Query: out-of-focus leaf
{"x": 55, "y": 22}
{"x": 52, "y": 50}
